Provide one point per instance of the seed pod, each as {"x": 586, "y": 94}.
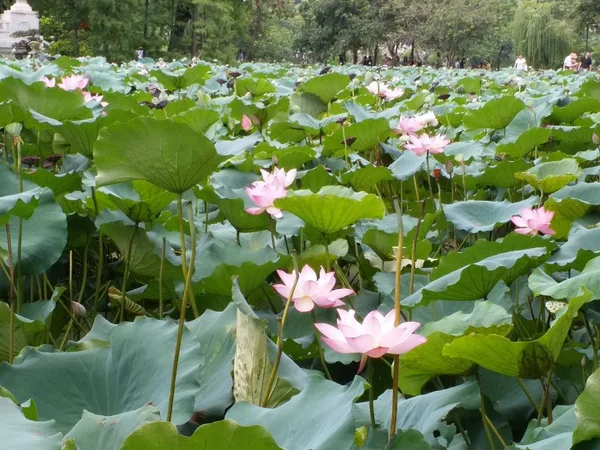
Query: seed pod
{"x": 30, "y": 160}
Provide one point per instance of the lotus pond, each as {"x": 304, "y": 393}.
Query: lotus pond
{"x": 274, "y": 257}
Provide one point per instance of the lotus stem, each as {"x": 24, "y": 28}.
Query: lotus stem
{"x": 85, "y": 271}
{"x": 528, "y": 395}
{"x": 413, "y": 261}
{"x": 126, "y": 274}
{"x": 98, "y": 273}
{"x": 484, "y": 418}
{"x": 160, "y": 278}
{"x": 327, "y": 257}
{"x": 370, "y": 376}
{"x": 397, "y": 307}
{"x": 320, "y": 347}
{"x": 186, "y": 294}
{"x": 345, "y": 145}
{"x": 593, "y": 341}
{"x": 183, "y": 250}
{"x": 281, "y": 325}
{"x": 11, "y": 295}
{"x": 417, "y": 194}
{"x": 21, "y": 291}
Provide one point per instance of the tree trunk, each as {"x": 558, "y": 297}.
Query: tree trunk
{"x": 146, "y": 18}
{"x": 76, "y": 39}
{"x": 257, "y": 28}
{"x": 412, "y": 52}
{"x": 194, "y": 49}
{"x": 375, "y": 54}
{"x": 355, "y": 55}
{"x": 182, "y": 17}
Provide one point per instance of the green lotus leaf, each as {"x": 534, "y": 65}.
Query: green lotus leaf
{"x": 140, "y": 200}
{"x": 426, "y": 361}
{"x": 304, "y": 421}
{"x": 145, "y": 256}
{"x": 225, "y": 435}
{"x": 495, "y": 114}
{"x": 44, "y": 224}
{"x": 407, "y": 165}
{"x": 48, "y": 105}
{"x": 199, "y": 120}
{"x": 94, "y": 432}
{"x": 437, "y": 404}
{"x": 571, "y": 203}
{"x": 525, "y": 143}
{"x": 551, "y": 176}
{"x": 20, "y": 433}
{"x": 531, "y": 359}
{"x": 569, "y": 288}
{"x": 583, "y": 244}
{"x": 368, "y": 133}
{"x": 333, "y": 208}
{"x": 499, "y": 175}
{"x": 304, "y": 102}
{"x": 587, "y": 410}
{"x": 575, "y": 109}
{"x": 254, "y": 86}
{"x": 475, "y": 215}
{"x": 317, "y": 178}
{"x": 581, "y": 135}
{"x": 59, "y": 184}
{"x": 327, "y": 86}
{"x": 472, "y": 274}
{"x": 168, "y": 154}
{"x": 82, "y": 135}
{"x": 363, "y": 179}
{"x": 101, "y": 380}
{"x": 470, "y": 84}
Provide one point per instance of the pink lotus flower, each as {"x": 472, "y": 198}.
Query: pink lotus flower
{"x": 375, "y": 337}
{"x": 264, "y": 195}
{"x": 48, "y": 82}
{"x": 279, "y": 176}
{"x": 382, "y": 90}
{"x": 428, "y": 119}
{"x": 423, "y": 144}
{"x": 73, "y": 83}
{"x": 272, "y": 187}
{"x": 409, "y": 125}
{"x": 246, "y": 123}
{"x": 393, "y": 94}
{"x": 533, "y": 221}
{"x": 87, "y": 97}
{"x": 311, "y": 290}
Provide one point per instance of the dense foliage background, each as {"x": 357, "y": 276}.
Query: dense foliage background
{"x": 283, "y": 29}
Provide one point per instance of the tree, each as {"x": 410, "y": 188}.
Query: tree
{"x": 542, "y": 38}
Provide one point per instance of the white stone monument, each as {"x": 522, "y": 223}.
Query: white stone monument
{"x": 20, "y": 17}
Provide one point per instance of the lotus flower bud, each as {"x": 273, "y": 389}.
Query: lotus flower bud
{"x": 78, "y": 310}
{"x": 437, "y": 173}
{"x": 14, "y": 129}
{"x": 449, "y": 167}
{"x": 584, "y": 361}
{"x": 595, "y": 139}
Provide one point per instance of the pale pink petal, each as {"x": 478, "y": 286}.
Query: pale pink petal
{"x": 518, "y": 221}
{"x": 282, "y": 290}
{"x": 377, "y": 352}
{"x": 524, "y": 231}
{"x": 338, "y": 346}
{"x": 255, "y": 211}
{"x": 341, "y": 293}
{"x": 407, "y": 345}
{"x": 304, "y": 304}
{"x": 361, "y": 344}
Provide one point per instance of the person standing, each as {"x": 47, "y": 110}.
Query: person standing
{"x": 586, "y": 63}
{"x": 521, "y": 63}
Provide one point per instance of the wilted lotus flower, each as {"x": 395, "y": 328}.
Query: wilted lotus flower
{"x": 423, "y": 144}
{"x": 533, "y": 221}
{"x": 73, "y": 83}
{"x": 273, "y": 187}
{"x": 246, "y": 123}
{"x": 30, "y": 160}
{"x": 311, "y": 290}
{"x": 375, "y": 337}
{"x": 48, "y": 82}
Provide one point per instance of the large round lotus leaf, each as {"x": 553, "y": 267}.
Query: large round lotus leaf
{"x": 587, "y": 410}
{"x": 582, "y": 245}
{"x": 530, "y": 359}
{"x": 44, "y": 223}
{"x": 499, "y": 175}
{"x": 224, "y": 435}
{"x": 475, "y": 215}
{"x": 495, "y": 114}
{"x": 589, "y": 277}
{"x": 51, "y": 105}
{"x": 306, "y": 421}
{"x": 256, "y": 87}
{"x": 333, "y": 208}
{"x": 551, "y": 176}
{"x": 168, "y": 154}
{"x": 575, "y": 109}
{"x": 26, "y": 331}
{"x": 326, "y": 86}
{"x": 368, "y": 133}
{"x": 95, "y": 432}
{"x": 19, "y": 433}
{"x": 472, "y": 275}
{"x": 108, "y": 381}
{"x": 425, "y": 413}
{"x": 525, "y": 143}
{"x": 426, "y": 361}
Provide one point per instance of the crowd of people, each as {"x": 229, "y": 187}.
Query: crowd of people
{"x": 571, "y": 62}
